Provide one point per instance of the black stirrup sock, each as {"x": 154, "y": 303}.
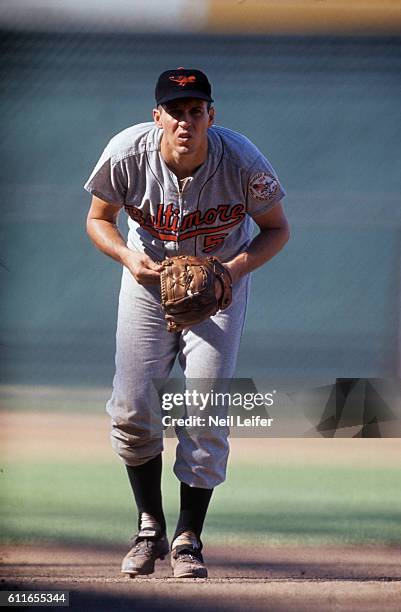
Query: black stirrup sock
{"x": 145, "y": 481}
{"x": 193, "y": 508}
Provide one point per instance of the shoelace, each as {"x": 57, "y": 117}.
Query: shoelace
{"x": 144, "y": 544}
{"x": 187, "y": 556}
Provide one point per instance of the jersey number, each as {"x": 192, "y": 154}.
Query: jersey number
{"x": 212, "y": 242}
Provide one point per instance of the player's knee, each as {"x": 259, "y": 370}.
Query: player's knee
{"x": 203, "y": 464}
{"x": 134, "y": 446}
{"x": 203, "y": 477}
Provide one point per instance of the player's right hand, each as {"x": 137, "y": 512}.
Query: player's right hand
{"x": 143, "y": 268}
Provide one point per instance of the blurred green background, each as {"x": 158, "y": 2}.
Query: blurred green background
{"x": 90, "y": 503}
{"x": 325, "y": 110}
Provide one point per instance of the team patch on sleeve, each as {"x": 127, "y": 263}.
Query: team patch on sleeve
{"x": 263, "y": 186}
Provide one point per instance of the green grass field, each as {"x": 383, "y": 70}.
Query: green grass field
{"x": 90, "y": 503}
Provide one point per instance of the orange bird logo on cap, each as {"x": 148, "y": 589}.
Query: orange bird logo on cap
{"x": 183, "y": 80}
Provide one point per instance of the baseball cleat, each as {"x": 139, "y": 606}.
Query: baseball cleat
{"x": 186, "y": 557}
{"x": 148, "y": 546}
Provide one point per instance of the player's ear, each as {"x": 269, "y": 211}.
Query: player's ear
{"x": 211, "y": 116}
{"x": 157, "y": 117}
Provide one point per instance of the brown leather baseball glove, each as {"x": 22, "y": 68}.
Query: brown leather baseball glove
{"x": 189, "y": 289}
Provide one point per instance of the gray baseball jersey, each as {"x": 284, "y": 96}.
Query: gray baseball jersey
{"x": 210, "y": 214}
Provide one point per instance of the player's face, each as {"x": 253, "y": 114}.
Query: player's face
{"x": 185, "y": 122}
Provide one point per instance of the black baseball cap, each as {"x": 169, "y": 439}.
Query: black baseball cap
{"x": 182, "y": 83}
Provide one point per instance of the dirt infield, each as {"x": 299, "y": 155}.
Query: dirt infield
{"x": 249, "y": 578}
{"x": 281, "y": 579}
{"x": 39, "y": 436}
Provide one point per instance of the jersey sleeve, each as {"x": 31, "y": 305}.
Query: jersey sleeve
{"x": 108, "y": 180}
{"x": 263, "y": 188}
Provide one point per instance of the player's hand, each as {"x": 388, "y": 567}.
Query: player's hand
{"x": 143, "y": 268}
{"x": 218, "y": 289}
{"x": 234, "y": 269}
{"x": 217, "y": 284}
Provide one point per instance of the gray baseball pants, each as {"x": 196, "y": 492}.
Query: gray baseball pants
{"x": 145, "y": 351}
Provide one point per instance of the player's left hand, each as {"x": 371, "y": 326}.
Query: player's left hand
{"x": 233, "y": 269}
{"x": 218, "y": 289}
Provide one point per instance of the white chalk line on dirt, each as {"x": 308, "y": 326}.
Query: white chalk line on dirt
{"x": 167, "y": 580}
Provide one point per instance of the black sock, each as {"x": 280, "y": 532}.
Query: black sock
{"x": 193, "y": 508}
{"x": 145, "y": 481}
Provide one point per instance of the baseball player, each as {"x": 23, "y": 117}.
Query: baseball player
{"x": 188, "y": 187}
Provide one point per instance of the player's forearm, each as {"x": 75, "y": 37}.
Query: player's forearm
{"x": 107, "y": 238}
{"x": 262, "y": 248}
